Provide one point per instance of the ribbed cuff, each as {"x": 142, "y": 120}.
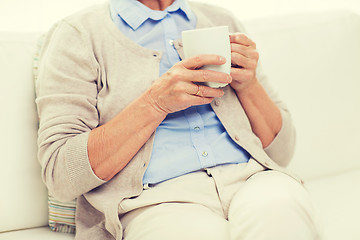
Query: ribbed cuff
{"x": 81, "y": 176}
{"x": 282, "y": 147}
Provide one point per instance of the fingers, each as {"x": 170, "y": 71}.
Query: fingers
{"x": 243, "y": 51}
{"x": 188, "y": 70}
{"x": 205, "y": 95}
{"x": 181, "y": 74}
{"x": 241, "y": 74}
{"x": 246, "y": 51}
{"x": 200, "y": 100}
{"x": 244, "y": 59}
{"x": 175, "y": 90}
{"x": 239, "y": 60}
{"x": 199, "y": 61}
{"x": 183, "y": 95}
{"x": 207, "y": 92}
{"x": 243, "y": 39}
{"x": 196, "y": 90}
{"x": 210, "y": 76}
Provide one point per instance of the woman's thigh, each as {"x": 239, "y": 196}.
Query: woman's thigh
{"x": 174, "y": 221}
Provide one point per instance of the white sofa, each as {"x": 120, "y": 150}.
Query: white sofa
{"x": 312, "y": 58}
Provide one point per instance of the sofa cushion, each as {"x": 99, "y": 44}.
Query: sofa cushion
{"x": 313, "y": 61}
{"x": 24, "y": 197}
{"x": 322, "y": 95}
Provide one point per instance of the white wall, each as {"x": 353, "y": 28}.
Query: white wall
{"x": 39, "y": 15}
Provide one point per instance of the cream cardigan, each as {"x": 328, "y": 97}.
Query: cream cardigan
{"x": 89, "y": 71}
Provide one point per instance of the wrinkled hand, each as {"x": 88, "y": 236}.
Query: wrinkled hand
{"x": 176, "y": 89}
{"x": 244, "y": 61}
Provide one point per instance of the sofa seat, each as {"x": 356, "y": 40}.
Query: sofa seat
{"x": 40, "y": 233}
{"x": 328, "y": 193}
{"x": 337, "y": 199}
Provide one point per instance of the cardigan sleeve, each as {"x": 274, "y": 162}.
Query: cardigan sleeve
{"x": 66, "y": 101}
{"x": 282, "y": 148}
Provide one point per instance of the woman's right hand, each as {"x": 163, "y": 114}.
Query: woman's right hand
{"x": 176, "y": 89}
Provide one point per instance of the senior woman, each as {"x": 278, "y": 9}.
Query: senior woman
{"x": 149, "y": 153}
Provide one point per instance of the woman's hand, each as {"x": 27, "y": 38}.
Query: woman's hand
{"x": 176, "y": 89}
{"x": 244, "y": 61}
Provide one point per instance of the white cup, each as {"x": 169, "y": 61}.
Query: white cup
{"x": 214, "y": 40}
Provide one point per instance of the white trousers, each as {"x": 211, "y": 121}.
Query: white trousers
{"x": 230, "y": 202}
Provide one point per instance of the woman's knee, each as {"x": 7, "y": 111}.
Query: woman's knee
{"x": 272, "y": 189}
{"x": 273, "y": 199}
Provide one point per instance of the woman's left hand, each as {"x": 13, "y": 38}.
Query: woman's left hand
{"x": 244, "y": 61}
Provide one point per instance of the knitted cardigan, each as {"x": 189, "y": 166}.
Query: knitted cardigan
{"x": 88, "y": 72}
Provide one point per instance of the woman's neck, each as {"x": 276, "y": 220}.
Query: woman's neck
{"x": 157, "y": 4}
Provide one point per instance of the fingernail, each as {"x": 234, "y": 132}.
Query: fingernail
{"x": 222, "y": 59}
